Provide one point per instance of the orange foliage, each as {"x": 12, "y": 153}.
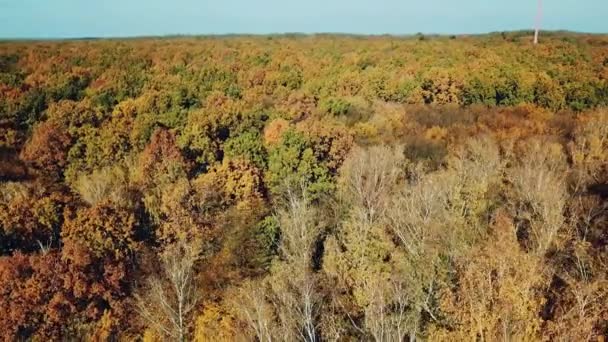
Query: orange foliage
{"x": 47, "y": 150}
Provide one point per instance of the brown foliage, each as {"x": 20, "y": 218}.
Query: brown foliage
{"x": 31, "y": 216}
{"x": 162, "y": 159}
{"x": 48, "y": 148}
{"x": 103, "y": 231}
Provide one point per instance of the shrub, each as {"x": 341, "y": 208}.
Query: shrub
{"x": 336, "y": 106}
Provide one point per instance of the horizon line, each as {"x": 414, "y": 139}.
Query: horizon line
{"x": 286, "y": 34}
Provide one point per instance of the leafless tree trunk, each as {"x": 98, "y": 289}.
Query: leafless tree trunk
{"x": 370, "y": 176}
{"x": 389, "y": 316}
{"x": 541, "y": 193}
{"x": 294, "y": 285}
{"x": 171, "y": 295}
{"x": 252, "y": 306}
{"x": 285, "y": 306}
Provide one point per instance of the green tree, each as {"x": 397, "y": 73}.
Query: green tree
{"x": 293, "y": 162}
{"x": 248, "y": 146}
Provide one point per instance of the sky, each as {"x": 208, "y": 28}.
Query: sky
{"x": 125, "y": 18}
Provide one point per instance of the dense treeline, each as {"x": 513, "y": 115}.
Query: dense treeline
{"x": 304, "y": 188}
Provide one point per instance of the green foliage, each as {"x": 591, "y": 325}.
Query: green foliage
{"x": 581, "y": 96}
{"x": 8, "y": 62}
{"x": 31, "y": 107}
{"x": 9, "y": 71}
{"x": 70, "y": 89}
{"x": 97, "y": 148}
{"x": 248, "y": 146}
{"x": 128, "y": 80}
{"x": 215, "y": 78}
{"x": 293, "y": 164}
{"x": 511, "y": 90}
{"x": 199, "y": 146}
{"x": 262, "y": 59}
{"x": 477, "y": 91}
{"x": 267, "y": 235}
{"x": 336, "y": 106}
{"x": 290, "y": 77}
{"x": 548, "y": 93}
{"x": 234, "y": 91}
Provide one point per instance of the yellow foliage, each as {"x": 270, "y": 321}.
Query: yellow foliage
{"x": 536, "y": 113}
{"x": 365, "y": 131}
{"x": 498, "y": 294}
{"x": 589, "y": 149}
{"x": 436, "y": 133}
{"x": 8, "y": 137}
{"x": 214, "y": 324}
{"x": 103, "y": 330}
{"x": 151, "y": 336}
{"x": 238, "y": 181}
{"x": 125, "y": 109}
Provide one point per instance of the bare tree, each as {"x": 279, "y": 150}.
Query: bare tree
{"x": 369, "y": 177}
{"x": 299, "y": 229}
{"x": 540, "y": 185}
{"x": 252, "y": 306}
{"x": 289, "y": 295}
{"x": 588, "y": 150}
{"x": 445, "y": 207}
{"x": 171, "y": 294}
{"x": 389, "y": 316}
{"x": 294, "y": 290}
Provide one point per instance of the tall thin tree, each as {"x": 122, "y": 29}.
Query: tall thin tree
{"x": 539, "y": 16}
{"x": 172, "y": 294}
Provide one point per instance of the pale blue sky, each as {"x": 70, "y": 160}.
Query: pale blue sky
{"x": 105, "y": 18}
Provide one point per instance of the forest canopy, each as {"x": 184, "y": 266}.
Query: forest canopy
{"x": 314, "y": 188}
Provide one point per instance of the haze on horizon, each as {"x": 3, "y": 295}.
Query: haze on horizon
{"x": 114, "y": 18}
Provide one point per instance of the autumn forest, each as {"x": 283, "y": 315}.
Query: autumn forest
{"x": 305, "y": 188}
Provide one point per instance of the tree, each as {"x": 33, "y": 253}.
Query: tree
{"x": 104, "y": 231}
{"x": 337, "y": 188}
{"x": 215, "y": 324}
{"x": 294, "y": 288}
{"x": 171, "y": 295}
{"x": 293, "y": 162}
{"x": 238, "y": 183}
{"x": 548, "y": 93}
{"x": 33, "y": 297}
{"x": 291, "y": 289}
{"x": 253, "y": 307}
{"x": 31, "y": 217}
{"x": 391, "y": 253}
{"x": 368, "y": 178}
{"x": 247, "y": 146}
{"x": 48, "y": 149}
{"x": 588, "y": 149}
{"x": 111, "y": 184}
{"x": 161, "y": 162}
{"x": 540, "y": 194}
{"x": 274, "y": 131}
{"x": 497, "y": 297}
